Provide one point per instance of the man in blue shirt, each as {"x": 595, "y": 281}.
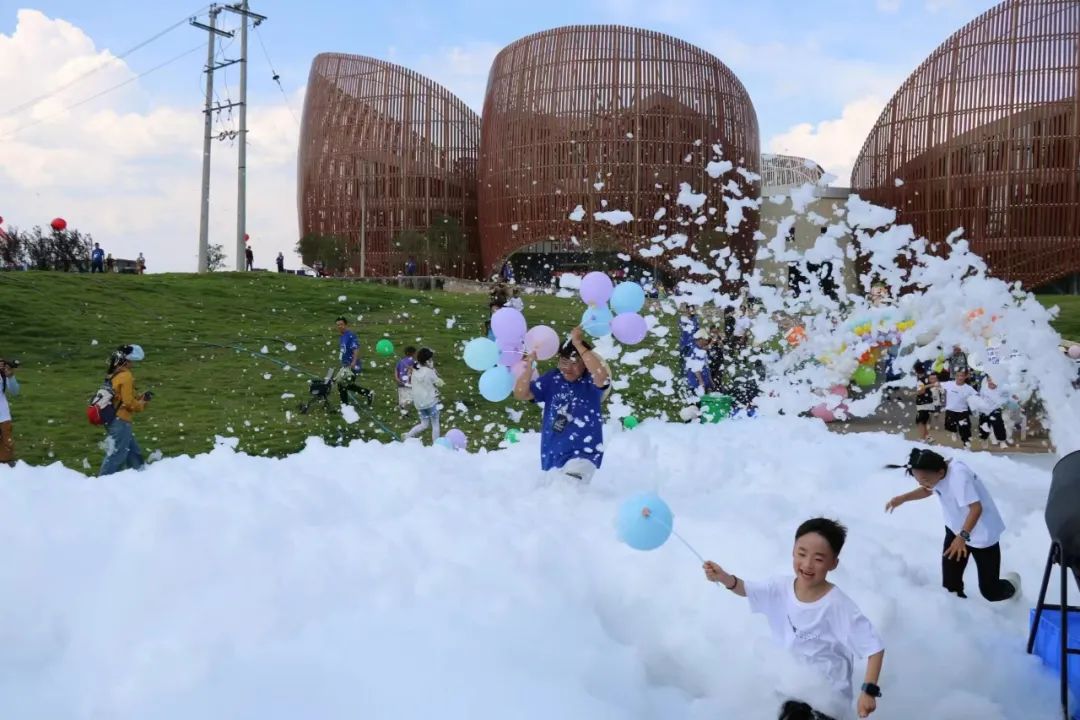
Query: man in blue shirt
{"x": 572, "y": 435}
{"x": 350, "y": 364}
{"x": 97, "y": 259}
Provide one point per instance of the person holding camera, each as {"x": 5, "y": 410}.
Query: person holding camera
{"x": 121, "y": 449}
{"x": 9, "y": 387}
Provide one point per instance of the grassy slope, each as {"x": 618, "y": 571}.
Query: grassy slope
{"x": 1068, "y": 322}
{"x": 49, "y": 322}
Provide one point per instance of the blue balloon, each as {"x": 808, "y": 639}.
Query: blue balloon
{"x": 445, "y": 442}
{"x": 496, "y": 383}
{"x": 641, "y": 532}
{"x": 628, "y": 297}
{"x": 597, "y": 321}
{"x": 481, "y": 354}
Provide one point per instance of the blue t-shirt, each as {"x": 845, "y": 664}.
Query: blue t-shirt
{"x": 688, "y": 328}
{"x": 349, "y": 344}
{"x": 572, "y": 424}
{"x": 402, "y": 370}
{"x": 97, "y": 255}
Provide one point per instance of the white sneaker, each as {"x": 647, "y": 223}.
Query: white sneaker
{"x": 1013, "y": 579}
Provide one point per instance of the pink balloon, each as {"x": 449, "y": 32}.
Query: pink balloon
{"x": 543, "y": 341}
{"x": 822, "y": 412}
{"x": 596, "y": 288}
{"x": 629, "y": 328}
{"x": 508, "y": 324}
{"x": 457, "y": 437}
{"x": 510, "y": 351}
{"x": 1074, "y": 352}
{"x": 840, "y": 390}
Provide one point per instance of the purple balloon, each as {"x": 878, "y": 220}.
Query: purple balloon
{"x": 629, "y": 328}
{"x": 458, "y": 438}
{"x": 508, "y": 324}
{"x": 596, "y": 288}
{"x": 510, "y": 351}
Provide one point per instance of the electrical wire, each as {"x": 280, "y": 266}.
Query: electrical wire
{"x": 103, "y": 64}
{"x": 96, "y": 95}
{"x": 276, "y": 76}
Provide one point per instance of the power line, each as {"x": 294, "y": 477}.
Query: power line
{"x": 100, "y": 66}
{"x": 106, "y": 91}
{"x": 276, "y": 76}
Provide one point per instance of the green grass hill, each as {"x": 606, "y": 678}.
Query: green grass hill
{"x": 62, "y": 328}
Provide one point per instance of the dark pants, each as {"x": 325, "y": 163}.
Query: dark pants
{"x": 959, "y": 423}
{"x": 96, "y": 267}
{"x": 988, "y": 563}
{"x": 994, "y": 422}
{"x": 352, "y": 387}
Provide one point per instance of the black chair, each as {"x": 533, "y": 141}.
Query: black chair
{"x": 1063, "y": 522}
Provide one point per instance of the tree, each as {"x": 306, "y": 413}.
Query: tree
{"x": 64, "y": 250}
{"x": 330, "y": 250}
{"x": 215, "y": 258}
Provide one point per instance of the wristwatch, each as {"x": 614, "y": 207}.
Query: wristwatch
{"x": 872, "y": 690}
{"x": 966, "y": 535}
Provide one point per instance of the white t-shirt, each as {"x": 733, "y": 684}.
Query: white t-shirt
{"x": 957, "y": 396}
{"x": 825, "y": 634}
{"x": 992, "y": 398}
{"x": 12, "y": 390}
{"x": 516, "y": 303}
{"x": 424, "y": 382}
{"x": 957, "y": 491}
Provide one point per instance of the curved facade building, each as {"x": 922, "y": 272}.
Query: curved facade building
{"x": 387, "y": 160}
{"x": 588, "y": 115}
{"x": 985, "y": 135}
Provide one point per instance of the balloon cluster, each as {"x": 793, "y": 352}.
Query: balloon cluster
{"x": 834, "y": 406}
{"x": 502, "y": 361}
{"x": 626, "y": 299}
{"x": 453, "y": 440}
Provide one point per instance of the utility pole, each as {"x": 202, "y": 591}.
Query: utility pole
{"x": 204, "y": 214}
{"x": 242, "y": 10}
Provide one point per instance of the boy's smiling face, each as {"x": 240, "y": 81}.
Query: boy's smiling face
{"x": 813, "y": 559}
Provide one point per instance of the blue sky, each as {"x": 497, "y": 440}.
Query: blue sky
{"x": 856, "y": 45}
{"x": 126, "y": 164}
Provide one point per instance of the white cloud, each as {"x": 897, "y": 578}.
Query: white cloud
{"x": 834, "y": 144}
{"x": 888, "y": 6}
{"x": 462, "y": 69}
{"x": 124, "y": 173}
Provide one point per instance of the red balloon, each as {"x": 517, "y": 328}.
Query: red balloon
{"x": 59, "y": 224}
{"x": 1, "y": 219}
{"x": 246, "y": 237}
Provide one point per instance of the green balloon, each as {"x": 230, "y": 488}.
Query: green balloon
{"x": 384, "y": 347}
{"x": 513, "y": 435}
{"x": 629, "y": 422}
{"x": 865, "y": 376}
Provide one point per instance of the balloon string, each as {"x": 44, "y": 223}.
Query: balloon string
{"x": 680, "y": 537}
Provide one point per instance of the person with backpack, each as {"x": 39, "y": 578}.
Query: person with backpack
{"x": 9, "y": 386}
{"x": 116, "y": 403}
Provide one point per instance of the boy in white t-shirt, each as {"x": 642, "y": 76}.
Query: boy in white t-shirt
{"x": 815, "y": 620}
{"x": 958, "y": 393}
{"x": 972, "y": 523}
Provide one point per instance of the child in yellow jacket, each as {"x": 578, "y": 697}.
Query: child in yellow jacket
{"x": 121, "y": 449}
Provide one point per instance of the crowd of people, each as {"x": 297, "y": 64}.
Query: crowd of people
{"x": 102, "y": 262}
{"x": 950, "y": 389}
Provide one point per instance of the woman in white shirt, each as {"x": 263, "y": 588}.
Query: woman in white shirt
{"x": 957, "y": 410}
{"x": 972, "y": 523}
{"x": 9, "y": 386}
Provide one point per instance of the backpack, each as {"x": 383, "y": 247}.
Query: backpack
{"x": 101, "y": 410}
